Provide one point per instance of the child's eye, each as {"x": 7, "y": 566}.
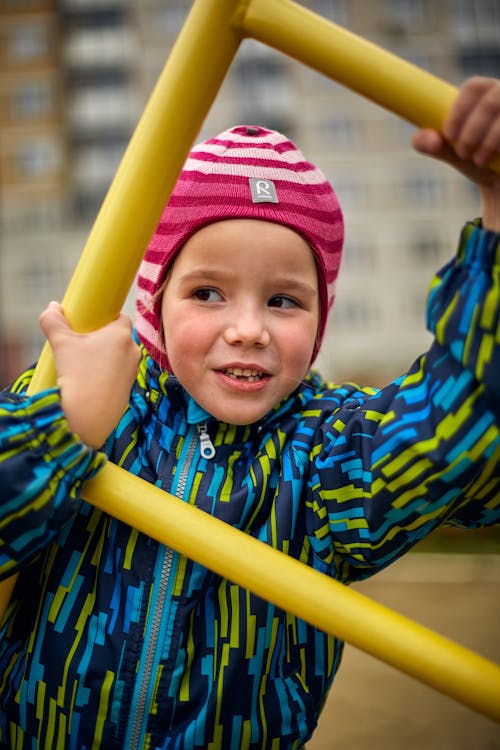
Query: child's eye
{"x": 207, "y": 294}
{"x": 281, "y": 300}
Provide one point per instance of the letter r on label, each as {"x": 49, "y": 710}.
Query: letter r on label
{"x": 263, "y": 191}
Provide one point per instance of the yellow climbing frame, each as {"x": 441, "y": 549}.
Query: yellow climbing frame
{"x": 168, "y": 127}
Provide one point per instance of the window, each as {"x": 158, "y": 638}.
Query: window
{"x": 358, "y": 256}
{"x": 480, "y": 61}
{"x": 476, "y": 25}
{"x": 103, "y": 48}
{"x": 86, "y": 206}
{"x": 333, "y": 10}
{"x": 168, "y": 20}
{"x": 341, "y": 133}
{"x": 351, "y": 193}
{"x": 28, "y": 41}
{"x": 33, "y": 99}
{"x": 38, "y": 278}
{"x": 95, "y": 164}
{"x": 264, "y": 87}
{"x": 423, "y": 191}
{"x": 21, "y": 5}
{"x": 38, "y": 157}
{"x": 95, "y": 14}
{"x": 477, "y": 22}
{"x": 426, "y": 249}
{"x": 405, "y": 15}
{"x": 354, "y": 313}
{"x": 99, "y": 109}
{"x": 45, "y": 212}
{"x": 255, "y": 72}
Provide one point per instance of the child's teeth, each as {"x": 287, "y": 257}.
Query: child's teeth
{"x": 239, "y": 372}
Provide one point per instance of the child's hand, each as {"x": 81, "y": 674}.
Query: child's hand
{"x": 96, "y": 372}
{"x": 470, "y": 140}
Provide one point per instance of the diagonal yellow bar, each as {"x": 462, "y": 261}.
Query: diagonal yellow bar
{"x": 369, "y": 70}
{"x": 178, "y": 105}
{"x": 144, "y": 180}
{"x": 291, "y": 585}
{"x": 401, "y": 87}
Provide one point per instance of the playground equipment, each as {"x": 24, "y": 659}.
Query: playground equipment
{"x": 179, "y": 103}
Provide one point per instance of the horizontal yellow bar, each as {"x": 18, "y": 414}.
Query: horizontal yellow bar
{"x": 403, "y": 88}
{"x": 291, "y": 585}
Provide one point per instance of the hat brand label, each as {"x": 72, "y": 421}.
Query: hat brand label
{"x": 263, "y": 191}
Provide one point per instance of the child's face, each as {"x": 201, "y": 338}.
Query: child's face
{"x": 240, "y": 315}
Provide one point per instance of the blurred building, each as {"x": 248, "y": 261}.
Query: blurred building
{"x": 75, "y": 76}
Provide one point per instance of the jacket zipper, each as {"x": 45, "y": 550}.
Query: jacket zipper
{"x": 140, "y": 704}
{"x": 207, "y": 449}
{"x": 140, "y": 715}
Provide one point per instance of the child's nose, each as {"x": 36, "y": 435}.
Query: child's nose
{"x": 247, "y": 328}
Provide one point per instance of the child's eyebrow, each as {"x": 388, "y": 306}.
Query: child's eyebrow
{"x": 204, "y": 272}
{"x": 282, "y": 282}
{"x": 292, "y": 284}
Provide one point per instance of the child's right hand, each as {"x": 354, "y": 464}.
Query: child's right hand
{"x": 470, "y": 140}
{"x": 95, "y": 371}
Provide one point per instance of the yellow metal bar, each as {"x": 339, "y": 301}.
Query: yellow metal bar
{"x": 99, "y": 286}
{"x": 144, "y": 180}
{"x": 403, "y": 88}
{"x": 291, "y": 585}
{"x": 157, "y": 150}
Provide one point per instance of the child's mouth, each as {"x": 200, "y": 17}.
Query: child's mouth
{"x": 239, "y": 373}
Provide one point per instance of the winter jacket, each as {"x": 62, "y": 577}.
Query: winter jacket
{"x": 113, "y": 640}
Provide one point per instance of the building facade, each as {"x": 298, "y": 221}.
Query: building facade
{"x": 75, "y": 76}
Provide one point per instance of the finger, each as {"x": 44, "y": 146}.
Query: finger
{"x": 482, "y": 127}
{"x": 489, "y": 147}
{"x": 478, "y": 136}
{"x": 428, "y": 142}
{"x": 53, "y": 305}
{"x": 468, "y": 96}
{"x": 52, "y": 320}
{"x": 431, "y": 143}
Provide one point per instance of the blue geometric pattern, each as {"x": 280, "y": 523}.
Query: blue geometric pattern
{"x": 114, "y": 641}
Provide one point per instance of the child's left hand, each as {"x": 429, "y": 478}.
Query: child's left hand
{"x": 95, "y": 372}
{"x": 470, "y": 140}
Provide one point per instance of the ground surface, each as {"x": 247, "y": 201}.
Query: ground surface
{"x": 372, "y": 706}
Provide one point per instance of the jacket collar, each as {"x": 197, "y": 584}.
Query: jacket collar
{"x": 158, "y": 383}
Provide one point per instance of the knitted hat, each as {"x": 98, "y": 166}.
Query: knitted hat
{"x": 245, "y": 172}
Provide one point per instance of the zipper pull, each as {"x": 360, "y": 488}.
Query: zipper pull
{"x": 207, "y": 449}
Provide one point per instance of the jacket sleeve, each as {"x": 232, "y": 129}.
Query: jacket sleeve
{"x": 42, "y": 468}
{"x": 397, "y": 463}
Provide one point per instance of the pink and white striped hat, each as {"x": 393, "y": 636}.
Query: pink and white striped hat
{"x": 245, "y": 172}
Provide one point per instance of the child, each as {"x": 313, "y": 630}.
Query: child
{"x": 114, "y": 641}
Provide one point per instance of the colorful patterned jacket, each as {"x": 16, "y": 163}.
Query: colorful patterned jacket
{"x": 114, "y": 641}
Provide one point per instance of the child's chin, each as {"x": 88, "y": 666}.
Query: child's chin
{"x": 239, "y": 418}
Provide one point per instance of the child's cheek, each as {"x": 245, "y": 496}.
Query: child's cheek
{"x": 187, "y": 334}
{"x": 299, "y": 344}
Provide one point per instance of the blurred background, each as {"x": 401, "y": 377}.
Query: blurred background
{"x": 74, "y": 78}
